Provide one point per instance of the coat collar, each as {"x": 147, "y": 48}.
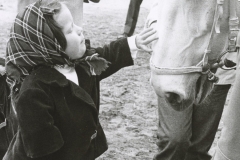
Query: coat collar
{"x": 51, "y": 76}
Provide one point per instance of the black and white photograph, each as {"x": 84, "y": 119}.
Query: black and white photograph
{"x": 119, "y": 80}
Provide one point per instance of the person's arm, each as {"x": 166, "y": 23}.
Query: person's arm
{"x": 120, "y": 53}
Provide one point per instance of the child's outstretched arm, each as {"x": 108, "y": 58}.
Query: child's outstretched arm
{"x": 120, "y": 53}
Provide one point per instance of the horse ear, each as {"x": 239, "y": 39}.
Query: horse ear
{"x": 206, "y": 87}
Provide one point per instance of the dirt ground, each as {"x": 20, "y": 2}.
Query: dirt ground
{"x": 128, "y": 104}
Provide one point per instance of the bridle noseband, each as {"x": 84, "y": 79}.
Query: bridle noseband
{"x": 203, "y": 66}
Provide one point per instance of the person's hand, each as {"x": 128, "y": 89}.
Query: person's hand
{"x": 145, "y": 37}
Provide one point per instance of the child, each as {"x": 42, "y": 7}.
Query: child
{"x": 55, "y": 84}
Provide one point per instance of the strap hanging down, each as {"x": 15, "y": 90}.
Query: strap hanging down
{"x": 219, "y": 15}
{"x": 233, "y": 25}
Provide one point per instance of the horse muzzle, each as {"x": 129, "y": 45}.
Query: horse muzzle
{"x": 179, "y": 91}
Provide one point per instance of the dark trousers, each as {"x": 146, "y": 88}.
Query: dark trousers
{"x": 188, "y": 134}
{"x": 132, "y": 17}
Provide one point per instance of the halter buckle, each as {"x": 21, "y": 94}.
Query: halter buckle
{"x": 211, "y": 76}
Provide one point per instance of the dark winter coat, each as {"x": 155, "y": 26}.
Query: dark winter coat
{"x": 58, "y": 119}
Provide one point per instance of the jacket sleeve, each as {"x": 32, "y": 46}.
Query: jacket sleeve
{"x": 118, "y": 54}
{"x": 39, "y": 135}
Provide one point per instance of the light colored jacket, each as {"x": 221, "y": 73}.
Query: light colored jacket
{"x": 227, "y": 76}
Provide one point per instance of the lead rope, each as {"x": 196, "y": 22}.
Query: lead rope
{"x": 233, "y": 25}
{"x": 233, "y": 33}
{"x": 215, "y": 27}
{"x": 232, "y": 39}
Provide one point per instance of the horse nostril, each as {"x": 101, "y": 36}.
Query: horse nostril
{"x": 177, "y": 101}
{"x": 173, "y": 98}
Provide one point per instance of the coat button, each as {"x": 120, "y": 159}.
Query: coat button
{"x": 94, "y": 135}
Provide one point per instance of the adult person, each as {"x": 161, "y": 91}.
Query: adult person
{"x": 201, "y": 123}
{"x": 200, "y": 133}
{"x": 228, "y": 145}
{"x": 207, "y": 115}
{"x": 131, "y": 19}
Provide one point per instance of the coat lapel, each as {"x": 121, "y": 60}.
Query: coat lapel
{"x": 51, "y": 76}
{"x": 80, "y": 93}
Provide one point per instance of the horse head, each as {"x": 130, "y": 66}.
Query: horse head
{"x": 192, "y": 34}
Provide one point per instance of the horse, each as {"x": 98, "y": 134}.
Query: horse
{"x": 75, "y": 6}
{"x": 193, "y": 37}
{"x": 192, "y": 34}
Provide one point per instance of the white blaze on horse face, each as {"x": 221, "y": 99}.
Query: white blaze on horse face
{"x": 184, "y": 28}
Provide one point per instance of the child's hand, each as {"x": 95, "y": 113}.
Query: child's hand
{"x": 145, "y": 37}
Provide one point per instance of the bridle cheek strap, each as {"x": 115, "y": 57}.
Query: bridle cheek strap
{"x": 202, "y": 68}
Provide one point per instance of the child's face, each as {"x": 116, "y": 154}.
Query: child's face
{"x": 74, "y": 34}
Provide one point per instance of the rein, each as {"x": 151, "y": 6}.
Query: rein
{"x": 203, "y": 66}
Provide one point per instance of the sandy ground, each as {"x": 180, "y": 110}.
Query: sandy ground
{"x": 128, "y": 104}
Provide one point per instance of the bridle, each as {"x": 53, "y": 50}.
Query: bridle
{"x": 203, "y": 66}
